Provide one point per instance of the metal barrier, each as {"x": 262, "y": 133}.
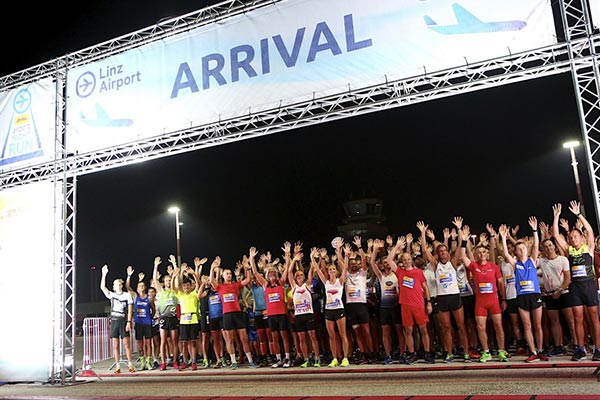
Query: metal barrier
{"x": 97, "y": 344}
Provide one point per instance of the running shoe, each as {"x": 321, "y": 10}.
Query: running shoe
{"x": 485, "y": 357}
{"x": 449, "y": 358}
{"x": 142, "y": 364}
{"x": 557, "y": 351}
{"x": 429, "y": 359}
{"x": 467, "y": 357}
{"x": 194, "y": 366}
{"x": 317, "y": 362}
{"x": 205, "y": 363}
{"x": 264, "y": 362}
{"x": 474, "y": 354}
{"x": 521, "y": 351}
{"x": 182, "y": 366}
{"x": 596, "y": 356}
{"x": 163, "y": 366}
{"x": 532, "y": 358}
{"x": 578, "y": 354}
{"x": 277, "y": 364}
{"x": 502, "y": 356}
{"x": 176, "y": 365}
{"x": 334, "y": 363}
{"x": 234, "y": 365}
{"x": 344, "y": 362}
{"x": 131, "y": 368}
{"x": 387, "y": 360}
{"x": 118, "y": 370}
{"x": 542, "y": 356}
{"x": 304, "y": 364}
{"x": 155, "y": 364}
{"x": 251, "y": 364}
{"x": 218, "y": 364}
{"x": 412, "y": 359}
{"x": 287, "y": 363}
{"x": 402, "y": 359}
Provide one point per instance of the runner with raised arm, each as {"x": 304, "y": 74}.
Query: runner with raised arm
{"x": 415, "y": 301}
{"x": 448, "y": 293}
{"x": 488, "y": 284}
{"x": 335, "y": 316}
{"x": 167, "y": 311}
{"x": 529, "y": 299}
{"x": 584, "y": 297}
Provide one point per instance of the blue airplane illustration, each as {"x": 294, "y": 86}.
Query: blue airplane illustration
{"x": 467, "y": 23}
{"x": 103, "y": 120}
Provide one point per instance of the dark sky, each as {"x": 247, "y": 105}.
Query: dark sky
{"x": 490, "y": 156}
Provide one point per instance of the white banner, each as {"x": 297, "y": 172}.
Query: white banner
{"x": 26, "y": 263}
{"x": 595, "y": 11}
{"x": 27, "y": 125}
{"x": 288, "y": 52}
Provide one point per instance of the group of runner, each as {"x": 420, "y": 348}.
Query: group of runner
{"x": 468, "y": 296}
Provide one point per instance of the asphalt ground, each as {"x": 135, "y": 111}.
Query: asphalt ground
{"x": 558, "y": 378}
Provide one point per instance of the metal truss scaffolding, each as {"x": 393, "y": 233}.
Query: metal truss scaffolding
{"x": 576, "y": 54}
{"x": 577, "y": 23}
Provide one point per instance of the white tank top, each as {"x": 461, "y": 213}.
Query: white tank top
{"x": 463, "y": 282}
{"x": 508, "y": 273}
{"x": 447, "y": 283}
{"x": 334, "y": 293}
{"x": 302, "y": 300}
{"x": 356, "y": 287}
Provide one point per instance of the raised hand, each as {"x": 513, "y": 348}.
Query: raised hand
{"x": 430, "y": 234}
{"x": 298, "y": 247}
{"x": 409, "y": 238}
{"x": 157, "y": 261}
{"x": 514, "y": 231}
{"x": 129, "y": 270}
{"x": 421, "y": 225}
{"x": 378, "y": 244}
{"x": 252, "y": 252}
{"x": 369, "y": 243}
{"x": 556, "y": 209}
{"x": 105, "y": 269}
{"x": 357, "y": 241}
{"x": 564, "y": 224}
{"x": 401, "y": 242}
{"x": 389, "y": 240}
{"x": 141, "y": 276}
{"x": 503, "y": 230}
{"x": 533, "y": 223}
{"x": 287, "y": 247}
{"x": 446, "y": 233}
{"x": 575, "y": 207}
{"x": 458, "y": 222}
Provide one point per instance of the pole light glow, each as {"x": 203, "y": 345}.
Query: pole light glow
{"x": 570, "y": 144}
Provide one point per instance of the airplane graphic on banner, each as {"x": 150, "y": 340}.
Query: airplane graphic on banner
{"x": 103, "y": 120}
{"x": 467, "y": 23}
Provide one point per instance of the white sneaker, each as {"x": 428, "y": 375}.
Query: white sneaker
{"x": 278, "y": 364}
{"x": 287, "y": 363}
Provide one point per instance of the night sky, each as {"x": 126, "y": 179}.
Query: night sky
{"x": 490, "y": 156}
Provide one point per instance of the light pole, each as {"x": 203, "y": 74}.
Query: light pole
{"x": 571, "y": 146}
{"x": 177, "y": 234}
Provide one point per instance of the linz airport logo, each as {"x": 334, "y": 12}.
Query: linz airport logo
{"x": 109, "y": 78}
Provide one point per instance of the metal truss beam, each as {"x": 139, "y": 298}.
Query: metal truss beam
{"x": 581, "y": 42}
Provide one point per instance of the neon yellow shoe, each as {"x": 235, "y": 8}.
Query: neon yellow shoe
{"x": 502, "y": 356}
{"x": 304, "y": 364}
{"x": 334, "y": 363}
{"x": 345, "y": 362}
{"x": 317, "y": 362}
{"x": 485, "y": 356}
